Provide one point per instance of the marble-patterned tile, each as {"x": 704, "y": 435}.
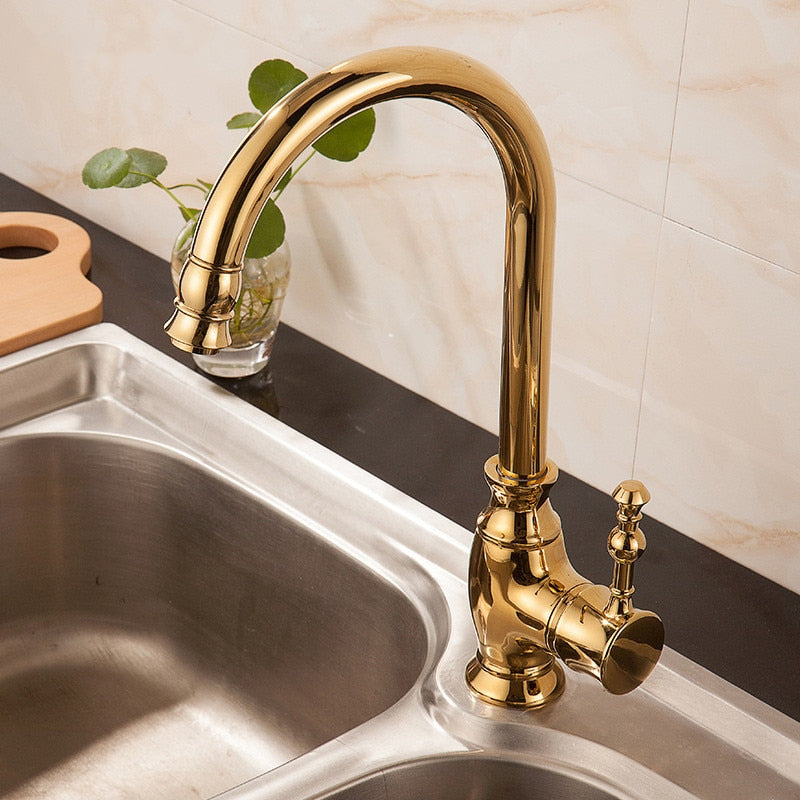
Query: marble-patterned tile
{"x": 719, "y": 442}
{"x": 606, "y": 256}
{"x": 735, "y": 171}
{"x": 601, "y": 77}
{"x": 414, "y": 269}
{"x": 398, "y": 266}
{"x": 148, "y": 75}
{"x": 592, "y": 430}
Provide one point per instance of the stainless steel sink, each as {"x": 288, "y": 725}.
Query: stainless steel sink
{"x": 197, "y": 601}
{"x": 472, "y": 777}
{"x": 145, "y": 599}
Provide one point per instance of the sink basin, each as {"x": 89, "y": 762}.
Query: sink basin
{"x": 472, "y": 777}
{"x": 197, "y": 601}
{"x": 146, "y": 601}
{"x": 165, "y": 631}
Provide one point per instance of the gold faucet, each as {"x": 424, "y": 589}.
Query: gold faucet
{"x": 528, "y": 604}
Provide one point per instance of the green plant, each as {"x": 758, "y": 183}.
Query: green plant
{"x": 268, "y": 83}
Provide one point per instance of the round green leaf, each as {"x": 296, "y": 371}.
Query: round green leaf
{"x": 106, "y": 168}
{"x": 245, "y": 120}
{"x": 349, "y": 138}
{"x": 145, "y": 165}
{"x": 271, "y": 80}
{"x": 268, "y": 233}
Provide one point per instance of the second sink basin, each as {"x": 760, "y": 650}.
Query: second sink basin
{"x": 472, "y": 777}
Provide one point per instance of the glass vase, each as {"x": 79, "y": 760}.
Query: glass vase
{"x": 255, "y": 316}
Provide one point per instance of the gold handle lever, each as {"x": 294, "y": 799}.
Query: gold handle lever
{"x": 626, "y": 544}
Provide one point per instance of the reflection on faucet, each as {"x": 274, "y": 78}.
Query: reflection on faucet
{"x": 529, "y": 605}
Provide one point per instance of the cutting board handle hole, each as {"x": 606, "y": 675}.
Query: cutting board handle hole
{"x": 23, "y": 241}
{"x": 22, "y": 251}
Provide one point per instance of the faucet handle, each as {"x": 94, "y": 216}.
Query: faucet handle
{"x": 626, "y": 544}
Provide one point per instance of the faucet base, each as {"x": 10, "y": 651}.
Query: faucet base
{"x": 532, "y": 688}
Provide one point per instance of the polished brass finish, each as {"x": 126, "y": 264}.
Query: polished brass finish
{"x": 209, "y": 281}
{"x": 626, "y": 544}
{"x": 529, "y": 605}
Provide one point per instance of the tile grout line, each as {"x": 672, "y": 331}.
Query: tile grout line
{"x": 658, "y": 247}
{"x": 608, "y": 193}
{"x": 737, "y": 248}
{"x": 640, "y": 410}
{"x": 677, "y": 100}
{"x": 186, "y": 6}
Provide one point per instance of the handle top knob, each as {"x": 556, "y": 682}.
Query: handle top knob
{"x": 631, "y": 493}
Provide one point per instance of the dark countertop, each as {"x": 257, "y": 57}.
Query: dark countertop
{"x": 716, "y": 612}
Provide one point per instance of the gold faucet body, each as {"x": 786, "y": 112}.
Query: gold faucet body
{"x": 529, "y": 605}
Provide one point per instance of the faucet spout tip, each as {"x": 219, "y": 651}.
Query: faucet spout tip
{"x": 195, "y": 334}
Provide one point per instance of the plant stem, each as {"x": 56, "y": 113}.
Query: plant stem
{"x": 189, "y": 186}
{"x": 156, "y": 182}
{"x": 175, "y": 197}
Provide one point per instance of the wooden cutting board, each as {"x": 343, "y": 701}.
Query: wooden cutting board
{"x": 47, "y": 295}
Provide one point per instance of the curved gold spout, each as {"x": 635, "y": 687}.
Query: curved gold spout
{"x": 529, "y": 605}
{"x": 210, "y": 285}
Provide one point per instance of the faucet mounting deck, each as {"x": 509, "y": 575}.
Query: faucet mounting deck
{"x": 529, "y": 605}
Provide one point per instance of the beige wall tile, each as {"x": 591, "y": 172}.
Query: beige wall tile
{"x": 605, "y": 267}
{"x": 735, "y": 171}
{"x": 421, "y": 299}
{"x": 601, "y": 77}
{"x": 719, "y": 442}
{"x": 92, "y": 74}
